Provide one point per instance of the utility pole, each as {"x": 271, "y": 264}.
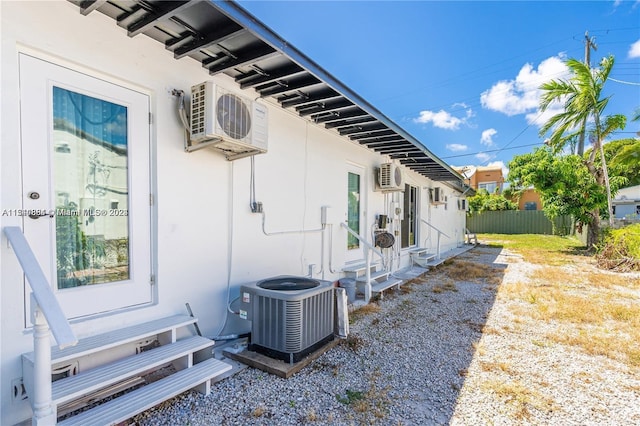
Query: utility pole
{"x": 589, "y": 43}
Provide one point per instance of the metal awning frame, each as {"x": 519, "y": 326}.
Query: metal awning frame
{"x": 226, "y": 38}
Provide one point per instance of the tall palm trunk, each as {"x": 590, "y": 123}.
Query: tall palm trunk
{"x": 605, "y": 173}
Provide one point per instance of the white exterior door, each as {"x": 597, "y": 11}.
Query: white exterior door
{"x": 85, "y": 154}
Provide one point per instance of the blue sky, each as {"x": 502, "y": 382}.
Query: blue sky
{"x": 462, "y": 77}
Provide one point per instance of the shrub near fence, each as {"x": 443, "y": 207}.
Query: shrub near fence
{"x": 518, "y": 222}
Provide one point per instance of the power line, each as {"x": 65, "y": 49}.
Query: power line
{"x": 491, "y": 150}
{"x": 505, "y": 148}
{"x": 631, "y": 83}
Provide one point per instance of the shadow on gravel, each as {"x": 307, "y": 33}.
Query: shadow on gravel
{"x": 477, "y": 275}
{"x": 454, "y": 306}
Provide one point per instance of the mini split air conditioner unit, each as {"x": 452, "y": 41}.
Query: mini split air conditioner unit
{"x": 390, "y": 177}
{"x": 220, "y": 119}
{"x": 436, "y": 196}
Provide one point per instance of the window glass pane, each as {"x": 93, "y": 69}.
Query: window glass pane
{"x": 489, "y": 186}
{"x": 353, "y": 210}
{"x": 90, "y": 179}
{"x": 408, "y": 232}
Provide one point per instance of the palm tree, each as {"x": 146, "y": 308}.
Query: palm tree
{"x": 583, "y": 105}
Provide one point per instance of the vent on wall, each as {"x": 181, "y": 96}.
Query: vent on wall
{"x": 220, "y": 119}
{"x": 390, "y": 177}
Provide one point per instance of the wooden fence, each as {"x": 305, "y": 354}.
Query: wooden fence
{"x": 518, "y": 222}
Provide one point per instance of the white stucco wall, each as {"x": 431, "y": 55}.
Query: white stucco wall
{"x": 203, "y": 222}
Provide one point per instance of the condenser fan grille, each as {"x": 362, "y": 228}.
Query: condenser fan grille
{"x": 234, "y": 118}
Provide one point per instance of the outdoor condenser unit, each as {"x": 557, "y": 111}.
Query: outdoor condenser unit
{"x": 290, "y": 316}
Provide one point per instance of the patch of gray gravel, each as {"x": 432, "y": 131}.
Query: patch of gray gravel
{"x": 422, "y": 360}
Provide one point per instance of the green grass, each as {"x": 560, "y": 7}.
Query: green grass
{"x": 533, "y": 241}
{"x": 540, "y": 249}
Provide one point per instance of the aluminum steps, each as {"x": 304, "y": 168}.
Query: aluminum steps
{"x": 379, "y": 280}
{"x": 120, "y": 409}
{"x": 72, "y": 387}
{"x": 106, "y": 364}
{"x": 373, "y": 275}
{"x": 422, "y": 257}
{"x": 101, "y": 342}
{"x": 380, "y": 286}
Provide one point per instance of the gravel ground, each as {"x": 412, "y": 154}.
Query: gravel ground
{"x": 436, "y": 352}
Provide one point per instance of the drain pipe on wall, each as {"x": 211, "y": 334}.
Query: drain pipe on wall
{"x": 323, "y": 227}
{"x": 229, "y": 251}
{"x": 293, "y": 231}
{"x": 330, "y": 226}
{"x": 258, "y": 207}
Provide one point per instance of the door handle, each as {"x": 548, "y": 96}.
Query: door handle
{"x": 37, "y": 214}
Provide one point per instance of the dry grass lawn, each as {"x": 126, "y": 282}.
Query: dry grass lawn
{"x": 601, "y": 308}
{"x": 559, "y": 300}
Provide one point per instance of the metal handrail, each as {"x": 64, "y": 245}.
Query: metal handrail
{"x": 439, "y": 233}
{"x": 362, "y": 240}
{"x": 46, "y": 316}
{"x": 428, "y": 224}
{"x": 42, "y": 292}
{"x": 366, "y": 248}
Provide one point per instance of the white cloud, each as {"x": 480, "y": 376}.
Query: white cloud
{"x": 487, "y": 137}
{"x": 483, "y": 156}
{"x": 522, "y": 94}
{"x": 538, "y": 118}
{"x": 634, "y": 50}
{"x": 443, "y": 119}
{"x": 456, "y": 147}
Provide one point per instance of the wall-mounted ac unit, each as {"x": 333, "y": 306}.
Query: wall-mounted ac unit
{"x": 436, "y": 195}
{"x": 390, "y": 177}
{"x": 232, "y": 124}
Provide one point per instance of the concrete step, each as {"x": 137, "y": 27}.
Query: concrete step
{"x": 435, "y": 262}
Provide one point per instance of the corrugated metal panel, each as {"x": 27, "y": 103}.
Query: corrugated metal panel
{"x": 517, "y": 222}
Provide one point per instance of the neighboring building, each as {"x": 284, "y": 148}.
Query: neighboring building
{"x": 492, "y": 179}
{"x": 483, "y": 177}
{"x": 92, "y": 133}
{"x": 529, "y": 200}
{"x": 626, "y": 204}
